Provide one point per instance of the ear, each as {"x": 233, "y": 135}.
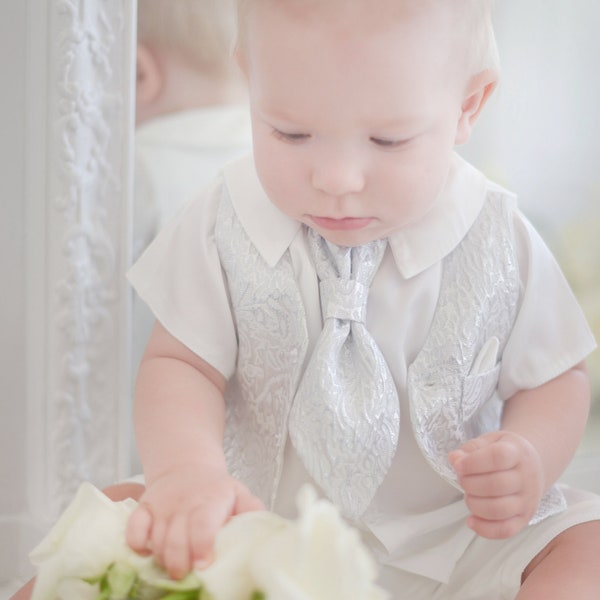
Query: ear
{"x": 149, "y": 77}
{"x": 478, "y": 91}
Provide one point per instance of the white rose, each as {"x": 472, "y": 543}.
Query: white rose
{"x": 257, "y": 554}
{"x": 87, "y": 538}
{"x": 316, "y": 557}
{"x": 230, "y": 576}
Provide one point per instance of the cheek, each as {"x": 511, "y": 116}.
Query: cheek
{"x": 266, "y": 162}
{"x": 260, "y": 147}
{"x": 279, "y": 175}
{"x": 412, "y": 188}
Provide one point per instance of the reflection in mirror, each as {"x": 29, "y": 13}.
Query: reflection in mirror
{"x": 191, "y": 115}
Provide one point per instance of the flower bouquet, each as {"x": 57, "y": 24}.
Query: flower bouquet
{"x": 258, "y": 556}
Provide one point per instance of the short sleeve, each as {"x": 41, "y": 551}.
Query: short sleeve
{"x": 551, "y": 334}
{"x": 180, "y": 278}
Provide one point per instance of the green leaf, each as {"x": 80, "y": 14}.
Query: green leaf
{"x": 121, "y": 579}
{"x": 189, "y": 595}
{"x": 144, "y": 591}
{"x": 94, "y": 580}
{"x": 190, "y": 583}
{"x": 104, "y": 595}
{"x": 122, "y": 582}
{"x": 258, "y": 595}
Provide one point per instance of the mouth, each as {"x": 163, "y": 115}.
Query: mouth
{"x": 345, "y": 224}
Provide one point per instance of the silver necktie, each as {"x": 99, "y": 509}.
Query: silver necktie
{"x": 345, "y": 418}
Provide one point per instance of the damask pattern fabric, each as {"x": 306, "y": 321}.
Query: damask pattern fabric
{"x": 345, "y": 416}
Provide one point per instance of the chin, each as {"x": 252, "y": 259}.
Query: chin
{"x": 349, "y": 239}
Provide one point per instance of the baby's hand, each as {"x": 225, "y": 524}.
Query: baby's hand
{"x": 181, "y": 512}
{"x": 502, "y": 477}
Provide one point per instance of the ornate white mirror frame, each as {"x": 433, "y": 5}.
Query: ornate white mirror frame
{"x": 77, "y": 142}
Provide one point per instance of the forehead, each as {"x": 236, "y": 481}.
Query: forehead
{"x": 372, "y": 13}
{"x": 429, "y": 24}
{"x": 348, "y": 45}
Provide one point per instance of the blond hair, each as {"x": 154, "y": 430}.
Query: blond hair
{"x": 473, "y": 18}
{"x": 202, "y": 31}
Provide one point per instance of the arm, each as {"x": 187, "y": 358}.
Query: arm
{"x": 179, "y": 407}
{"x": 179, "y": 423}
{"x": 504, "y": 474}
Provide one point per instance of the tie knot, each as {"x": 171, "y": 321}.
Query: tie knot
{"x": 344, "y": 299}
{"x": 345, "y": 274}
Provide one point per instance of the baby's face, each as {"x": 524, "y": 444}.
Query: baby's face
{"x": 355, "y": 117}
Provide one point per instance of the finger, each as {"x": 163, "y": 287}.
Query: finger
{"x": 176, "y": 553}
{"x": 496, "y": 530}
{"x": 204, "y": 524}
{"x": 157, "y": 539}
{"x": 477, "y": 443}
{"x": 494, "y": 509}
{"x": 139, "y": 526}
{"x": 498, "y": 456}
{"x": 456, "y": 456}
{"x": 490, "y": 485}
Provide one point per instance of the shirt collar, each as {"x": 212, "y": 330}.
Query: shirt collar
{"x": 270, "y": 230}
{"x": 420, "y": 245}
{"x": 415, "y": 248}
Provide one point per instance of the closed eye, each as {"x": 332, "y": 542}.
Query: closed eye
{"x": 385, "y": 143}
{"x": 293, "y": 138}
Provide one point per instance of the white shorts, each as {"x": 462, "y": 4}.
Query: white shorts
{"x": 492, "y": 569}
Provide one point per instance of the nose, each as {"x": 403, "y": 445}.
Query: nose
{"x": 338, "y": 174}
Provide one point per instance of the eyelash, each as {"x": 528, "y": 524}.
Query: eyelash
{"x": 297, "y": 138}
{"x": 390, "y": 144}
{"x": 292, "y": 138}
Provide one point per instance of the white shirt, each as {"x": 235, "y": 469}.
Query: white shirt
{"x": 416, "y": 520}
{"x": 176, "y": 156}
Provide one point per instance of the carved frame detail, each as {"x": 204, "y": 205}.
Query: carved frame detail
{"x": 84, "y": 432}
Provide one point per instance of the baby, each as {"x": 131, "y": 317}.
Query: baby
{"x": 440, "y": 415}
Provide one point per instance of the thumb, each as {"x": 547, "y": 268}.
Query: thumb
{"x": 139, "y": 526}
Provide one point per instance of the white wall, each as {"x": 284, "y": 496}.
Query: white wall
{"x": 541, "y": 131}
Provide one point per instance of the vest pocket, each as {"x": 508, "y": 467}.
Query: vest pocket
{"x": 477, "y": 390}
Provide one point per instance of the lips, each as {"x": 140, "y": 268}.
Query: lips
{"x": 345, "y": 224}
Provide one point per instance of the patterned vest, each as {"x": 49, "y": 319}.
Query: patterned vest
{"x": 448, "y": 405}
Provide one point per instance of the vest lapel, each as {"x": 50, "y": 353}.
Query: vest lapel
{"x": 477, "y": 302}
{"x": 272, "y": 342}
